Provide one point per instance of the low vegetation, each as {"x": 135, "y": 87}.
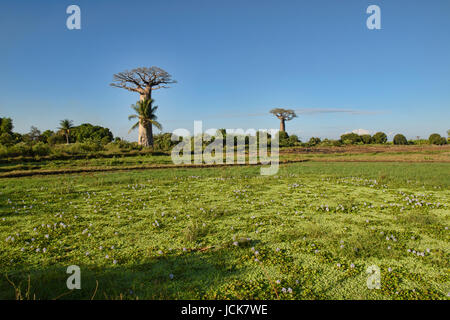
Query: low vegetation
{"x": 308, "y": 233}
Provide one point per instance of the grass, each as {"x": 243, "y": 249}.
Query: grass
{"x": 229, "y": 233}
{"x": 363, "y": 153}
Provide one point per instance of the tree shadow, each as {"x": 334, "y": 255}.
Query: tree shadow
{"x": 187, "y": 275}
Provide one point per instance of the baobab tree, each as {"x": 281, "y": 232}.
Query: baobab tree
{"x": 284, "y": 115}
{"x": 145, "y": 113}
{"x": 142, "y": 81}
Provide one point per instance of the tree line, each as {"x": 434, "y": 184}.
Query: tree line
{"x": 92, "y": 138}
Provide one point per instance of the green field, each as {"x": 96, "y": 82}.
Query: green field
{"x": 229, "y": 233}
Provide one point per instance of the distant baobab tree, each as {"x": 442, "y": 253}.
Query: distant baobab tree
{"x": 142, "y": 81}
{"x": 284, "y": 115}
{"x": 145, "y": 113}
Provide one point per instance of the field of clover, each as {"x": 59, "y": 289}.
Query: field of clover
{"x": 309, "y": 232}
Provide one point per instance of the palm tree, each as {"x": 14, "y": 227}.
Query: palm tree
{"x": 145, "y": 112}
{"x": 64, "y": 127}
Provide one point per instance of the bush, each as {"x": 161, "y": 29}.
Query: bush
{"x": 122, "y": 145}
{"x": 87, "y": 132}
{"x": 283, "y": 135}
{"x": 293, "y": 140}
{"x": 163, "y": 142}
{"x": 314, "y": 141}
{"x": 350, "y": 138}
{"x": 6, "y": 139}
{"x": 3, "y": 151}
{"x": 21, "y": 149}
{"x": 379, "y": 137}
{"x": 56, "y": 139}
{"x": 400, "y": 139}
{"x": 41, "y": 149}
{"x": 366, "y": 139}
{"x": 436, "y": 138}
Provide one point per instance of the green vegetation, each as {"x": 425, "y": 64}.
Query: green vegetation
{"x": 436, "y": 138}
{"x": 87, "y": 140}
{"x": 145, "y": 112}
{"x": 379, "y": 137}
{"x": 229, "y": 233}
{"x": 400, "y": 139}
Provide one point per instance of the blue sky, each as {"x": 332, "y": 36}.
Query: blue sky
{"x": 234, "y": 61}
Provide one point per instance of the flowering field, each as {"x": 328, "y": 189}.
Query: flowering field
{"x": 310, "y": 232}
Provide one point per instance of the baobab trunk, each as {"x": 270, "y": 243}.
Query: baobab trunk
{"x": 145, "y": 135}
{"x": 145, "y": 131}
{"x": 282, "y": 125}
{"x": 146, "y": 94}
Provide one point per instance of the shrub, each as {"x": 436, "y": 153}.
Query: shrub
{"x": 21, "y": 149}
{"x": 350, "y": 138}
{"x": 6, "y": 139}
{"x": 164, "y": 142}
{"x": 41, "y": 149}
{"x": 436, "y": 138}
{"x": 3, "y": 151}
{"x": 379, "y": 137}
{"x": 293, "y": 140}
{"x": 366, "y": 139}
{"x": 56, "y": 139}
{"x": 400, "y": 139}
{"x": 283, "y": 135}
{"x": 314, "y": 141}
{"x": 88, "y": 132}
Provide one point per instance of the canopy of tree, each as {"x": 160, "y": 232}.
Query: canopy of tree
{"x": 143, "y": 80}
{"x": 89, "y": 132}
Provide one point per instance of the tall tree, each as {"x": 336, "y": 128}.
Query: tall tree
{"x": 64, "y": 127}
{"x": 145, "y": 113}
{"x": 284, "y": 115}
{"x": 143, "y": 81}
{"x": 34, "y": 134}
{"x": 6, "y": 125}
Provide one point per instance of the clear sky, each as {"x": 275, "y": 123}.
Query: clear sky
{"x": 234, "y": 60}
